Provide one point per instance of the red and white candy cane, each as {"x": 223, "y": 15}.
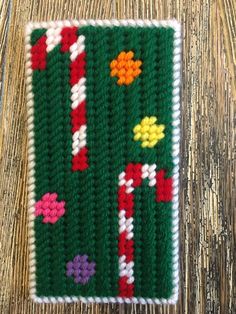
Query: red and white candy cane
{"x": 130, "y": 179}
{"x": 75, "y": 44}
{"x": 71, "y": 42}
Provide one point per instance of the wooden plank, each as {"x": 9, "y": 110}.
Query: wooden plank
{"x": 208, "y": 168}
{"x": 5, "y": 9}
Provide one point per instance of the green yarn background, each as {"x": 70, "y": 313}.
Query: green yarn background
{"x": 90, "y": 225}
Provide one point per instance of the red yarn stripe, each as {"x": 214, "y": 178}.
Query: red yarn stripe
{"x": 68, "y": 38}
{"x": 39, "y": 54}
{"x": 133, "y": 171}
{"x": 80, "y": 161}
{"x": 77, "y": 68}
{"x": 164, "y": 187}
{"x": 78, "y": 117}
{"x": 122, "y": 243}
{"x": 123, "y": 286}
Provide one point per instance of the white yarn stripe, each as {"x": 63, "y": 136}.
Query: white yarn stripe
{"x": 175, "y": 153}
{"x": 78, "y": 95}
{"x": 53, "y": 38}
{"x": 106, "y": 23}
{"x": 148, "y": 171}
{"x": 79, "y": 140}
{"x": 126, "y": 225}
{"x": 175, "y": 156}
{"x": 77, "y": 48}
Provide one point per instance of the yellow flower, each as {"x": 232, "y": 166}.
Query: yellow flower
{"x": 149, "y": 132}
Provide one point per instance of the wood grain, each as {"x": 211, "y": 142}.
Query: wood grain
{"x": 208, "y": 151}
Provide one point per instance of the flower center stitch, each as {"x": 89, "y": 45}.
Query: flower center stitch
{"x": 148, "y": 132}
{"x": 125, "y": 68}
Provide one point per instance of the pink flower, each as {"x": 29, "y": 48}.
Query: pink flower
{"x": 50, "y": 208}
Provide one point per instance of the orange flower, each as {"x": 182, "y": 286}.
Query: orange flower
{"x": 125, "y": 68}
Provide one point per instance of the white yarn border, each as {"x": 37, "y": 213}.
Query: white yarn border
{"x": 175, "y": 154}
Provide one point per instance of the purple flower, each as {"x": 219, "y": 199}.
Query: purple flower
{"x": 81, "y": 269}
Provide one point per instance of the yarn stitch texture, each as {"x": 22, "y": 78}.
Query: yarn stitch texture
{"x": 103, "y": 127}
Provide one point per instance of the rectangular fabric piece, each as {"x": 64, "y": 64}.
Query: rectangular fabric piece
{"x": 103, "y": 120}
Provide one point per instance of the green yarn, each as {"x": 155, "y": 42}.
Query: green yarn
{"x": 90, "y": 224}
{"x": 164, "y": 98}
{"x": 149, "y": 81}
{"x": 36, "y": 34}
{"x": 86, "y": 184}
{"x": 133, "y": 106}
{"x": 42, "y": 234}
{"x": 149, "y": 211}
{"x": 71, "y": 231}
{"x": 55, "y": 102}
{"x": 164, "y": 250}
{"x": 117, "y": 145}
{"x": 164, "y": 161}
{"x": 101, "y": 161}
{"x": 132, "y": 98}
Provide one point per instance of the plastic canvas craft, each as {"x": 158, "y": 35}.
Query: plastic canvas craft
{"x": 103, "y": 120}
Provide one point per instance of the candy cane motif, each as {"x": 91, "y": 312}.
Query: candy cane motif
{"x": 75, "y": 45}
{"x": 131, "y": 178}
{"x": 70, "y": 42}
{"x": 39, "y": 54}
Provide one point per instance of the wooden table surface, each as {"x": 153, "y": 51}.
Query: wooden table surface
{"x": 208, "y": 151}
